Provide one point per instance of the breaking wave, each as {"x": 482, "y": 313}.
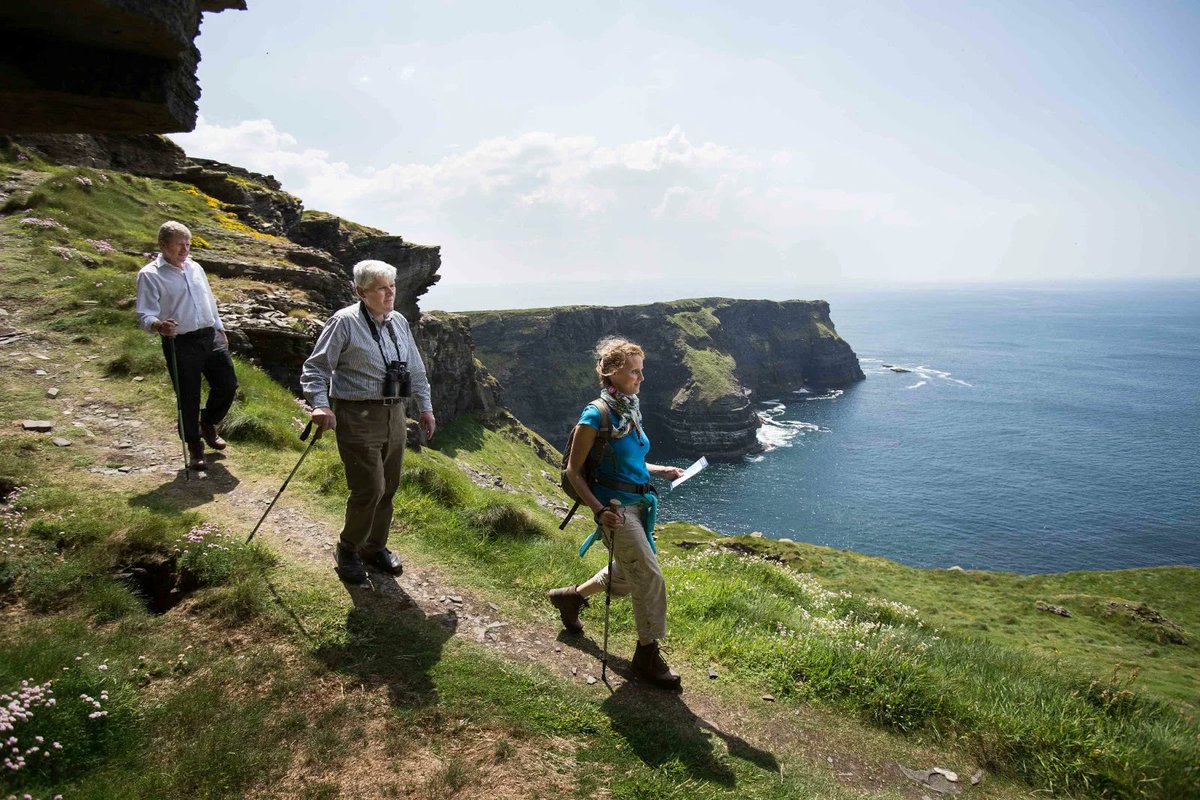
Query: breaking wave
{"x": 924, "y": 374}
{"x": 775, "y": 433}
{"x": 807, "y": 395}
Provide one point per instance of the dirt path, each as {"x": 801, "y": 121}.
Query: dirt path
{"x": 135, "y": 456}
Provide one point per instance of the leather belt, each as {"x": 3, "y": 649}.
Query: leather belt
{"x": 378, "y": 401}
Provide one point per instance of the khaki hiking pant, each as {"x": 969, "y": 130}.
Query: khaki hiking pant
{"x": 370, "y": 440}
{"x": 636, "y": 573}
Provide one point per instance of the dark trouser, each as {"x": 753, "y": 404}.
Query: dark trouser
{"x": 197, "y": 354}
{"x": 370, "y": 440}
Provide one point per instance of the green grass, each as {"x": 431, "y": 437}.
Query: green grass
{"x": 1095, "y": 639}
{"x": 696, "y": 324}
{"x": 274, "y": 670}
{"x": 712, "y": 372}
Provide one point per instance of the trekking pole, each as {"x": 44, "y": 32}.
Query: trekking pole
{"x": 187, "y": 476}
{"x": 303, "y": 456}
{"x": 614, "y": 505}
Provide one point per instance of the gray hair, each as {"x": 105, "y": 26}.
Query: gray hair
{"x": 365, "y": 273}
{"x": 171, "y": 231}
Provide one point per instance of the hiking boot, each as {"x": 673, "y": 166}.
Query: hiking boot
{"x": 385, "y": 561}
{"x": 648, "y": 664}
{"x": 196, "y": 456}
{"x": 349, "y": 565}
{"x": 211, "y": 437}
{"x": 569, "y": 601}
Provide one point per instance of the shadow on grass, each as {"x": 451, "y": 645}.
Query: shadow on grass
{"x": 188, "y": 491}
{"x": 661, "y": 728}
{"x": 391, "y": 642}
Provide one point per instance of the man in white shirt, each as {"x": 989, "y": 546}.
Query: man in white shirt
{"x": 175, "y": 301}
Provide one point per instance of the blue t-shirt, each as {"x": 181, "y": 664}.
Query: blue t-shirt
{"x": 624, "y": 460}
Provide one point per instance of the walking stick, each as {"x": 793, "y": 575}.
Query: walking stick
{"x": 303, "y": 456}
{"x": 187, "y": 476}
{"x": 614, "y": 505}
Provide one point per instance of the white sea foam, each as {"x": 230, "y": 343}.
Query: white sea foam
{"x": 922, "y": 371}
{"x": 775, "y": 433}
{"x": 831, "y": 394}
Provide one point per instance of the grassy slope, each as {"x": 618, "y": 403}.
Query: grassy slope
{"x": 431, "y": 700}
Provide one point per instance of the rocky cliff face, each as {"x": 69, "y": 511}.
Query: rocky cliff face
{"x": 101, "y": 65}
{"x": 707, "y": 360}
{"x": 284, "y": 270}
{"x": 457, "y": 379}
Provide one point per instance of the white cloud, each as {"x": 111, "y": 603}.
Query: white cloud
{"x": 576, "y": 175}
{"x": 541, "y": 203}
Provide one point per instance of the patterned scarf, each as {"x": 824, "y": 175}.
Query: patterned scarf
{"x": 626, "y": 412}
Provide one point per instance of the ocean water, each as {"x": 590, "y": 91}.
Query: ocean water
{"x": 1032, "y": 430}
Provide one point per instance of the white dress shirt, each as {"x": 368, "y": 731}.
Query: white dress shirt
{"x": 165, "y": 291}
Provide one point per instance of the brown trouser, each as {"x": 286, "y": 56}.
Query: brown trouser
{"x": 370, "y": 440}
{"x": 636, "y": 573}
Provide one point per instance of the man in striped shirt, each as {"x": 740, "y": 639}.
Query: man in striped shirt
{"x": 354, "y": 382}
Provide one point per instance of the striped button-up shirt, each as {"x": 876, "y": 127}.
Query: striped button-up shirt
{"x": 346, "y": 363}
{"x": 166, "y": 292}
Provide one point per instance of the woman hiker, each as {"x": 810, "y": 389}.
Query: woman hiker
{"x": 623, "y": 475}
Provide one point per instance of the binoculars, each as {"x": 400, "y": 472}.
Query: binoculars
{"x": 396, "y": 380}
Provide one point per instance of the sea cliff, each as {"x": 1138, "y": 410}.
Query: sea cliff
{"x": 708, "y": 361}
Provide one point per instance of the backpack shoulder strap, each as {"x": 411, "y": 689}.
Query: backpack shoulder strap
{"x": 605, "y": 431}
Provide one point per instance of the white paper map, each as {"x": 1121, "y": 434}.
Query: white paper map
{"x": 699, "y": 464}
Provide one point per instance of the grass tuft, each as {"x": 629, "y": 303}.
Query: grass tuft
{"x": 500, "y": 518}
{"x": 445, "y": 484}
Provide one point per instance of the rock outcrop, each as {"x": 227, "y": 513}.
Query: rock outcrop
{"x": 101, "y": 65}
{"x": 457, "y": 379}
{"x": 348, "y": 242}
{"x": 706, "y": 361}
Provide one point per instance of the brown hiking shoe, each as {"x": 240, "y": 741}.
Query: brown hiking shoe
{"x": 648, "y": 664}
{"x": 196, "y": 456}
{"x": 569, "y": 601}
{"x": 209, "y": 432}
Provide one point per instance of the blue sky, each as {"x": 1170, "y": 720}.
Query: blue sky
{"x": 680, "y": 149}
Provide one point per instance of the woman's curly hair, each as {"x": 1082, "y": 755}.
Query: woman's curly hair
{"x": 611, "y": 354}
